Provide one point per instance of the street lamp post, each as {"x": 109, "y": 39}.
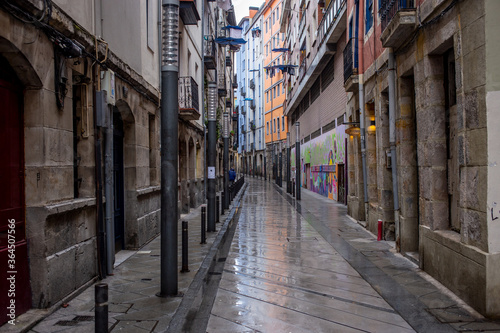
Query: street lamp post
{"x": 169, "y": 148}
{"x": 275, "y": 158}
{"x": 212, "y": 138}
{"x": 225, "y": 136}
{"x": 280, "y": 154}
{"x": 297, "y": 161}
{"x": 288, "y": 187}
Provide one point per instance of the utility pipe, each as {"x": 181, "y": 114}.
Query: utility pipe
{"x": 392, "y": 140}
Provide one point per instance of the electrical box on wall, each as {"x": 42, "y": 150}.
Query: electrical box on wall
{"x": 108, "y": 84}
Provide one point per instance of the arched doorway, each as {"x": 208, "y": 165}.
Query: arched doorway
{"x": 118, "y": 180}
{"x": 13, "y": 245}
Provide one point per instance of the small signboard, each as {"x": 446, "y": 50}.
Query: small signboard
{"x": 211, "y": 173}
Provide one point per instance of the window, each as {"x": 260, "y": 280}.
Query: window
{"x": 278, "y": 12}
{"x": 150, "y": 23}
{"x": 278, "y": 89}
{"x": 266, "y": 26}
{"x": 267, "y": 97}
{"x": 274, "y": 90}
{"x": 278, "y": 124}
{"x": 369, "y": 15}
{"x": 282, "y": 123}
{"x": 274, "y": 120}
{"x": 267, "y": 128}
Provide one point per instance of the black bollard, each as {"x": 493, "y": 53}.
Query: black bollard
{"x": 223, "y": 203}
{"x": 203, "y": 224}
{"x": 293, "y": 189}
{"x": 184, "y": 247}
{"x": 101, "y": 308}
{"x": 217, "y": 209}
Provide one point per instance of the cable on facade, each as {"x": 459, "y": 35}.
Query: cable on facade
{"x": 69, "y": 47}
{"x": 423, "y": 26}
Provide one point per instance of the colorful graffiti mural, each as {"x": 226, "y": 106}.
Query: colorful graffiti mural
{"x": 319, "y": 159}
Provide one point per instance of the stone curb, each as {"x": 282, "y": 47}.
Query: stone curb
{"x": 191, "y": 299}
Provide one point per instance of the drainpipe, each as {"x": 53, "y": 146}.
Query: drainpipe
{"x": 101, "y": 242}
{"x": 363, "y": 141}
{"x": 392, "y": 140}
{"x": 108, "y": 190}
{"x": 362, "y": 111}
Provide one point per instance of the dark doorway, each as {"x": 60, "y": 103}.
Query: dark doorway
{"x": 13, "y": 245}
{"x": 341, "y": 183}
{"x": 119, "y": 208}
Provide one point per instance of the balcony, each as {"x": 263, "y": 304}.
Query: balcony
{"x": 252, "y": 104}
{"x": 229, "y": 63}
{"x": 351, "y": 66}
{"x": 252, "y": 125}
{"x": 228, "y": 103}
{"x": 398, "y": 21}
{"x": 209, "y": 55}
{"x": 302, "y": 69}
{"x": 243, "y": 91}
{"x": 188, "y": 12}
{"x": 243, "y": 128}
{"x": 235, "y": 85}
{"x": 330, "y": 19}
{"x": 243, "y": 111}
{"x": 221, "y": 86}
{"x": 235, "y": 115}
{"x": 189, "y": 103}
{"x": 252, "y": 84}
{"x": 252, "y": 146}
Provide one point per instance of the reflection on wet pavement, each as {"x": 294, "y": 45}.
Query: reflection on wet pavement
{"x": 281, "y": 275}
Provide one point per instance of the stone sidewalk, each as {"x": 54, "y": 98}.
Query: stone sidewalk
{"x": 422, "y": 301}
{"x": 133, "y": 304}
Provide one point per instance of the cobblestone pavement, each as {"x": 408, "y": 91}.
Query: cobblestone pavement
{"x": 133, "y": 304}
{"x": 307, "y": 267}
{"x": 290, "y": 267}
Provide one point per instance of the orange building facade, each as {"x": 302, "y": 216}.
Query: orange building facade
{"x": 274, "y": 90}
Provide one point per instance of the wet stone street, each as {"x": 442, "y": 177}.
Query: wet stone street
{"x": 309, "y": 268}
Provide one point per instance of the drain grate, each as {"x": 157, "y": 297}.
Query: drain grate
{"x": 83, "y": 318}
{"x": 74, "y": 321}
{"x": 66, "y": 323}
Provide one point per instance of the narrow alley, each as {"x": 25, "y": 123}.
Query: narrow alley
{"x": 307, "y": 267}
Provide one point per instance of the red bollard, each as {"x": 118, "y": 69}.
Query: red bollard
{"x": 379, "y": 237}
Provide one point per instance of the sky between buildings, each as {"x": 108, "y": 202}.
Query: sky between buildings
{"x": 241, "y": 7}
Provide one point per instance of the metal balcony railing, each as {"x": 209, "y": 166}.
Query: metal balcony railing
{"x": 188, "y": 93}
{"x": 229, "y": 63}
{"x": 330, "y": 18}
{"x": 209, "y": 54}
{"x": 302, "y": 69}
{"x": 389, "y": 8}
{"x": 243, "y": 91}
{"x": 221, "y": 86}
{"x": 350, "y": 59}
{"x": 252, "y": 84}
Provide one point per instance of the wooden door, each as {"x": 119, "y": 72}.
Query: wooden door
{"x": 14, "y": 269}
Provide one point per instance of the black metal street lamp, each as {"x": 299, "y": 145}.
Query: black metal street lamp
{"x": 169, "y": 147}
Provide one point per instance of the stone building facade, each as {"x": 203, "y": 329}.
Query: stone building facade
{"x": 443, "y": 90}
{"x": 78, "y": 79}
